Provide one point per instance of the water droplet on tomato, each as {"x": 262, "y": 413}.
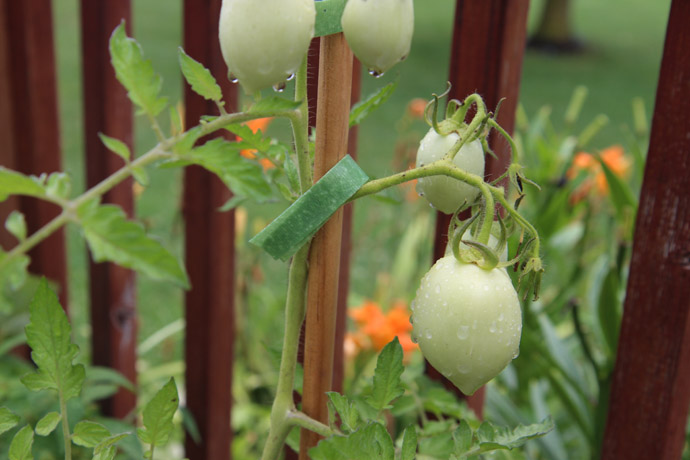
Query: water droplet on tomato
{"x": 463, "y": 332}
{"x": 279, "y": 87}
{"x": 232, "y": 78}
{"x": 492, "y": 328}
{"x": 501, "y": 317}
{"x": 427, "y": 333}
{"x": 290, "y": 77}
{"x": 375, "y": 73}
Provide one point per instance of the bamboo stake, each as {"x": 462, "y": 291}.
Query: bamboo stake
{"x": 332, "y": 114}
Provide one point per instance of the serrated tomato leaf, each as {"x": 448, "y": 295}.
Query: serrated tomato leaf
{"x": 349, "y": 415}
{"x": 89, "y": 434}
{"x": 116, "y": 146}
{"x": 243, "y": 177}
{"x": 387, "y": 383}
{"x": 20, "y": 448}
{"x": 158, "y": 415}
{"x": 199, "y": 77}
{"x": 409, "y": 445}
{"x": 135, "y": 73}
{"x": 364, "y": 108}
{"x": 49, "y": 336}
{"x": 113, "y": 238}
{"x": 14, "y": 183}
{"x": 47, "y": 424}
{"x": 299, "y": 222}
{"x": 371, "y": 442}
{"x": 8, "y": 419}
{"x": 16, "y": 225}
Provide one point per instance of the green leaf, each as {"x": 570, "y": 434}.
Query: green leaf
{"x": 141, "y": 176}
{"x": 16, "y": 225}
{"x": 89, "y": 434}
{"x": 48, "y": 335}
{"x": 409, "y": 445}
{"x": 107, "y": 453}
{"x": 462, "y": 438}
{"x": 619, "y": 192}
{"x": 107, "y": 444}
{"x": 243, "y": 177}
{"x": 364, "y": 108}
{"x": 136, "y": 74}
{"x": 20, "y": 449}
{"x": 47, "y": 424}
{"x": 491, "y": 437}
{"x": 13, "y": 274}
{"x": 274, "y": 104}
{"x": 116, "y": 146}
{"x": 59, "y": 185}
{"x": 328, "y": 14}
{"x": 14, "y": 183}
{"x": 111, "y": 237}
{"x": 371, "y": 442}
{"x": 8, "y": 419}
{"x": 609, "y": 309}
{"x": 387, "y": 382}
{"x": 158, "y": 416}
{"x": 299, "y": 222}
{"x": 199, "y": 77}
{"x": 186, "y": 143}
{"x": 349, "y": 416}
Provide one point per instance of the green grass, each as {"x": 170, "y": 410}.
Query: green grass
{"x": 624, "y": 38}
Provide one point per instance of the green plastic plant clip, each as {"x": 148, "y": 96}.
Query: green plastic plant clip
{"x": 298, "y": 223}
{"x": 328, "y": 14}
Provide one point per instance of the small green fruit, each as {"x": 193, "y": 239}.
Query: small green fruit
{"x": 379, "y": 32}
{"x": 446, "y": 193}
{"x": 264, "y": 42}
{"x": 467, "y": 322}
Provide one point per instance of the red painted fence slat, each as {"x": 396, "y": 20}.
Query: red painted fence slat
{"x": 210, "y": 258}
{"x": 32, "y": 108}
{"x": 491, "y": 35}
{"x": 107, "y": 110}
{"x": 650, "y": 391}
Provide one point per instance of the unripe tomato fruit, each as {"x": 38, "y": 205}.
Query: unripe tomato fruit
{"x": 264, "y": 42}
{"x": 467, "y": 322}
{"x": 379, "y": 32}
{"x": 446, "y": 193}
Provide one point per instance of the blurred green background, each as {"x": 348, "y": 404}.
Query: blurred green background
{"x": 624, "y": 41}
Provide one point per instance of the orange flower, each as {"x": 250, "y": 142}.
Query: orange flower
{"x": 416, "y": 107}
{"x": 410, "y": 187}
{"x": 378, "y": 329}
{"x": 613, "y": 157}
{"x": 258, "y": 124}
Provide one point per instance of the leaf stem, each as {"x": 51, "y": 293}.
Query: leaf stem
{"x": 162, "y": 150}
{"x": 300, "y": 128}
{"x": 65, "y": 426}
{"x": 302, "y": 420}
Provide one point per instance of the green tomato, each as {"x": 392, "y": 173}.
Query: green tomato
{"x": 379, "y": 32}
{"x": 467, "y": 322}
{"x": 446, "y": 193}
{"x": 264, "y": 42}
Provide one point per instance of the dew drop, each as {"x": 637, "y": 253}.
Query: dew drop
{"x": 438, "y": 289}
{"x": 279, "y": 87}
{"x": 463, "y": 369}
{"x": 492, "y": 328}
{"x": 516, "y": 354}
{"x": 413, "y": 305}
{"x": 414, "y": 339}
{"x": 463, "y": 332}
{"x": 232, "y": 78}
{"x": 375, "y": 73}
{"x": 290, "y": 77}
{"x": 427, "y": 333}
{"x": 501, "y": 317}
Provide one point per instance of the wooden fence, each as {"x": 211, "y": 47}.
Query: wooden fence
{"x": 651, "y": 382}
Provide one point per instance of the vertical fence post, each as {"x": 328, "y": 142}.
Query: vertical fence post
{"x": 33, "y": 118}
{"x": 489, "y": 34}
{"x": 333, "y": 104}
{"x": 107, "y": 110}
{"x": 650, "y": 390}
{"x": 210, "y": 258}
